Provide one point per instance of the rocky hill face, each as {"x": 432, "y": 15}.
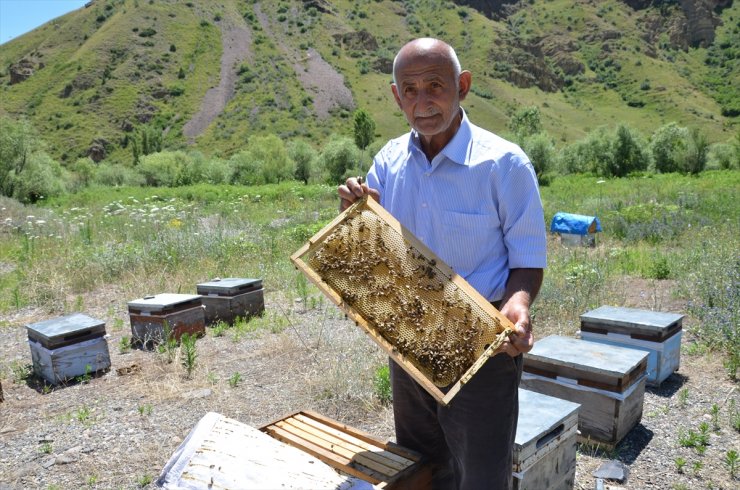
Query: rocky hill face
{"x": 208, "y": 76}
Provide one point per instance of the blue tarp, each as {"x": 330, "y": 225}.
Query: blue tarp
{"x": 576, "y": 224}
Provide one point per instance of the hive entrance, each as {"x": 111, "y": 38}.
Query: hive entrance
{"x": 400, "y": 291}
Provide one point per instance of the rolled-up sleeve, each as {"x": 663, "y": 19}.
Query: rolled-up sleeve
{"x": 521, "y": 214}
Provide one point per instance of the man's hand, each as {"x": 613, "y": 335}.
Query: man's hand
{"x": 522, "y": 339}
{"x": 521, "y": 290}
{"x": 353, "y": 190}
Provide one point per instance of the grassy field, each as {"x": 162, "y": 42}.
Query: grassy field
{"x": 670, "y": 238}
{"x": 673, "y": 228}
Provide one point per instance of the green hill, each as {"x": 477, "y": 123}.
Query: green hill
{"x": 209, "y": 75}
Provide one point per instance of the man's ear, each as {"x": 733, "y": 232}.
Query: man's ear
{"x": 394, "y": 89}
{"x": 464, "y": 84}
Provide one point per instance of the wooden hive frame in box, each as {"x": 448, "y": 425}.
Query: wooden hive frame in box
{"x": 428, "y": 319}
{"x": 383, "y": 464}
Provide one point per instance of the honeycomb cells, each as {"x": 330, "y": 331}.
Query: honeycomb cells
{"x": 404, "y": 296}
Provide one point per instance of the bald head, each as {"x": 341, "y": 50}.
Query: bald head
{"x": 427, "y": 48}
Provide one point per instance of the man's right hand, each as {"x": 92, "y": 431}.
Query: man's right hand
{"x": 353, "y": 190}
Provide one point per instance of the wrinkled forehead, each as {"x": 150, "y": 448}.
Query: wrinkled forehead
{"x": 416, "y": 61}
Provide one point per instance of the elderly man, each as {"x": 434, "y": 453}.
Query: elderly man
{"x": 472, "y": 198}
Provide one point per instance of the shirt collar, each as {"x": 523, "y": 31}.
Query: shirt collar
{"x": 457, "y": 148}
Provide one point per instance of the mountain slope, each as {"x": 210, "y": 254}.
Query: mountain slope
{"x": 210, "y": 75}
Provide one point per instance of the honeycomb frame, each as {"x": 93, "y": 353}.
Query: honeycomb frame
{"x": 425, "y": 316}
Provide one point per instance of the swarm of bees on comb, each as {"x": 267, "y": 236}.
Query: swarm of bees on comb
{"x": 405, "y": 296}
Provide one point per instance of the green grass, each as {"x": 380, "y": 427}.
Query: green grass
{"x": 117, "y": 76}
{"x": 147, "y": 240}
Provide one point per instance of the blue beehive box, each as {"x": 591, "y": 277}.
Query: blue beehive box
{"x": 545, "y": 443}
{"x": 69, "y": 346}
{"x": 654, "y": 332}
{"x": 575, "y": 229}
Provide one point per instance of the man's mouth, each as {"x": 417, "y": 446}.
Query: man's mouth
{"x": 429, "y": 113}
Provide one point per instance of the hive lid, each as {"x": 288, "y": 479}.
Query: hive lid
{"x": 539, "y": 414}
{"x": 163, "y": 301}
{"x": 585, "y": 356}
{"x": 57, "y": 328}
{"x": 632, "y": 319}
{"x": 229, "y": 286}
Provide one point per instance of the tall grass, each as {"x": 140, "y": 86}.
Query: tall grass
{"x": 147, "y": 241}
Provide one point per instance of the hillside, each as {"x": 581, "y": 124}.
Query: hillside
{"x": 210, "y": 75}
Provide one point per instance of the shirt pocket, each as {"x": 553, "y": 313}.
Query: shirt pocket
{"x": 466, "y": 239}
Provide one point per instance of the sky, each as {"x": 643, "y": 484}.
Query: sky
{"x": 20, "y": 16}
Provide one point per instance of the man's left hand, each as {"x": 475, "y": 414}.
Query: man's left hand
{"x": 522, "y": 339}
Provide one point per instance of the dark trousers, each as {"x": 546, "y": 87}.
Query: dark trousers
{"x": 470, "y": 442}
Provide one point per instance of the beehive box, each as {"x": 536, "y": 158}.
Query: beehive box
{"x": 545, "y": 443}
{"x": 381, "y": 463}
{"x": 657, "y": 333}
{"x": 220, "y": 452}
{"x": 153, "y": 318}
{"x": 69, "y": 346}
{"x": 607, "y": 381}
{"x": 435, "y": 325}
{"x": 227, "y": 299}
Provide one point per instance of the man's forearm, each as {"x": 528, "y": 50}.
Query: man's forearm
{"x": 523, "y": 286}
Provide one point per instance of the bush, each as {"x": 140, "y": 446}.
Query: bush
{"x": 41, "y": 177}
{"x": 541, "y": 151}
{"x": 339, "y": 156}
{"x": 83, "y": 172}
{"x": 264, "y": 161}
{"x": 163, "y": 169}
{"x": 304, "y": 157}
{"x": 724, "y": 156}
{"x": 628, "y": 153}
{"x": 667, "y": 145}
{"x": 116, "y": 176}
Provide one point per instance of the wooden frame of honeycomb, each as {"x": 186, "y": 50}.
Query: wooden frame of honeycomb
{"x": 428, "y": 319}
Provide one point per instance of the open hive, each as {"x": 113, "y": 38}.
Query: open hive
{"x": 429, "y": 319}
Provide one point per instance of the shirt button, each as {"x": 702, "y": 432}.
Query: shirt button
{"x": 423, "y": 205}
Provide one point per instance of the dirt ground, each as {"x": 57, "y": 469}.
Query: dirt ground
{"x": 118, "y": 429}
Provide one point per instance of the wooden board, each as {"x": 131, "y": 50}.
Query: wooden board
{"x": 222, "y": 453}
{"x": 350, "y": 450}
{"x": 148, "y": 329}
{"x": 413, "y": 305}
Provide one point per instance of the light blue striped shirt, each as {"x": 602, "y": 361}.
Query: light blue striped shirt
{"x": 476, "y": 205}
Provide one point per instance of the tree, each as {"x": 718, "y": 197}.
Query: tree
{"x": 18, "y": 140}
{"x": 265, "y": 160}
{"x": 41, "y": 177}
{"x": 526, "y": 122}
{"x": 541, "y": 152}
{"x": 628, "y": 153}
{"x": 340, "y": 155}
{"x": 364, "y": 129}
{"x": 303, "y": 156}
{"x": 667, "y": 146}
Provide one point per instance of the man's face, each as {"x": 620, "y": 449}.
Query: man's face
{"x": 429, "y": 94}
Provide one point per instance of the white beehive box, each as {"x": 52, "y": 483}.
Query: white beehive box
{"x": 69, "y": 346}
{"x": 545, "y": 443}
{"x": 657, "y": 333}
{"x": 606, "y": 380}
{"x": 229, "y": 298}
